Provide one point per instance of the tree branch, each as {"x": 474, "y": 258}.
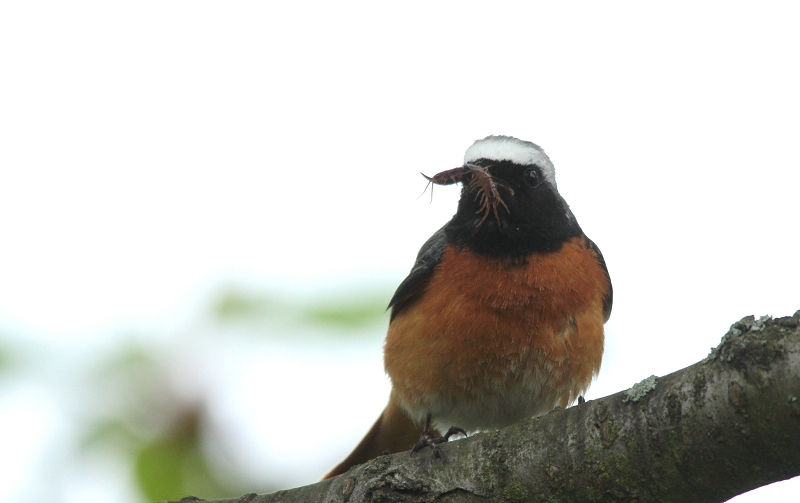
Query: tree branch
{"x": 718, "y": 428}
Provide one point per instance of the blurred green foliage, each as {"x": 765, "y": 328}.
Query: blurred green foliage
{"x": 154, "y": 427}
{"x": 5, "y": 358}
{"x": 173, "y": 465}
{"x": 130, "y": 406}
{"x": 349, "y": 312}
{"x": 236, "y": 304}
{"x": 145, "y": 420}
{"x": 354, "y": 310}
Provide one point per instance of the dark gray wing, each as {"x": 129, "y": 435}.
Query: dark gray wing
{"x": 414, "y": 285}
{"x": 608, "y": 300}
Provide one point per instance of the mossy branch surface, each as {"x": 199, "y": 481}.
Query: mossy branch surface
{"x": 718, "y": 428}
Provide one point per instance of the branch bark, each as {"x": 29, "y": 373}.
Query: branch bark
{"x": 718, "y": 428}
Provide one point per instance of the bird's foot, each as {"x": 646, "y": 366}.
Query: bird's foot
{"x": 428, "y": 440}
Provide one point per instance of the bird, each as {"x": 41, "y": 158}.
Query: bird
{"x": 502, "y": 315}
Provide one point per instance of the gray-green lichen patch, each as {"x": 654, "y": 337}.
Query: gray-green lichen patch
{"x": 746, "y": 324}
{"x": 640, "y": 389}
{"x": 760, "y": 323}
{"x": 759, "y": 347}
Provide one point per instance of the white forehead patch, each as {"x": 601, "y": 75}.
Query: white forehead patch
{"x": 508, "y": 148}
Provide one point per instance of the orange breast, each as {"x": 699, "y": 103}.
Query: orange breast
{"x": 493, "y": 341}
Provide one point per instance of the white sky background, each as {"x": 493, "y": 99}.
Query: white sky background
{"x": 151, "y": 152}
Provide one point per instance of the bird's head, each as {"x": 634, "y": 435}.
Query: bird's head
{"x": 509, "y": 199}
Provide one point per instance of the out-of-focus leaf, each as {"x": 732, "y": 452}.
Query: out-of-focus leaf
{"x": 157, "y": 429}
{"x": 133, "y": 360}
{"x": 159, "y": 472}
{"x": 5, "y": 358}
{"x": 354, "y": 312}
{"x": 136, "y": 390}
{"x": 235, "y": 304}
{"x": 174, "y": 466}
{"x": 112, "y": 431}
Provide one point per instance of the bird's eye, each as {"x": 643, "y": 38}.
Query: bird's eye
{"x": 531, "y": 178}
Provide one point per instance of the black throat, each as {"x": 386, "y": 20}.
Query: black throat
{"x": 536, "y": 221}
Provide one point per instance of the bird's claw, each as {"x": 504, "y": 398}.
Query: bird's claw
{"x": 428, "y": 440}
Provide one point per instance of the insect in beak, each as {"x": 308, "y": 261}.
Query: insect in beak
{"x": 480, "y": 182}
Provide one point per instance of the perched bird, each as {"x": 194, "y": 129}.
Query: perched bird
{"x": 501, "y": 317}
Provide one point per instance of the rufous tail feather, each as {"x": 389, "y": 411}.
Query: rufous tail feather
{"x": 394, "y": 431}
